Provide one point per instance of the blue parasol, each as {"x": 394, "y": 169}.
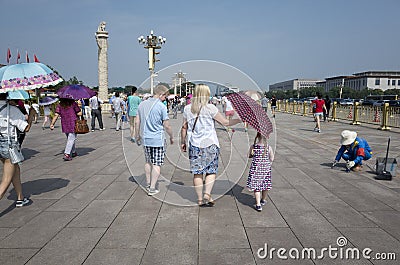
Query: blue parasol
{"x": 26, "y": 76}
{"x": 18, "y": 94}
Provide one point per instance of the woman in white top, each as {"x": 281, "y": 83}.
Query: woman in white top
{"x": 11, "y": 119}
{"x": 198, "y": 126}
{"x": 46, "y": 112}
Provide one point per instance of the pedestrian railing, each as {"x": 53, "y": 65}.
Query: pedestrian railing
{"x": 384, "y": 116}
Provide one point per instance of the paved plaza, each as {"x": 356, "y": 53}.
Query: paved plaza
{"x": 92, "y": 210}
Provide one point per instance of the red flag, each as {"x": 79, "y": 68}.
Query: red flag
{"x": 35, "y": 59}
{"x": 8, "y": 55}
{"x": 18, "y": 56}
{"x": 27, "y": 57}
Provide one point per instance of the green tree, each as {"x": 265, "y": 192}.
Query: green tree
{"x": 392, "y": 92}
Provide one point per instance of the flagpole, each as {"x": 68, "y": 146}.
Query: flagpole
{"x": 8, "y": 55}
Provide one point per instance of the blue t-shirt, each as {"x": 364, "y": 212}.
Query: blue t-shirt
{"x": 152, "y": 112}
{"x": 133, "y": 103}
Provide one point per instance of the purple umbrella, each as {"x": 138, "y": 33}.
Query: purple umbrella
{"x": 75, "y": 92}
{"x": 47, "y": 101}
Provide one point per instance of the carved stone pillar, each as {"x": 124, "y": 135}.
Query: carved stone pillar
{"x": 102, "y": 43}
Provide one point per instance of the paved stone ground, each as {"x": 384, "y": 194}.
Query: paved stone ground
{"x": 92, "y": 211}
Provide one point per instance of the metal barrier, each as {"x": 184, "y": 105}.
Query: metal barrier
{"x": 383, "y": 116}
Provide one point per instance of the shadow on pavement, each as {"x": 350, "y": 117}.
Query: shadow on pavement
{"x": 338, "y": 166}
{"x": 243, "y": 198}
{"x": 84, "y": 150}
{"x": 39, "y": 186}
{"x": 29, "y": 153}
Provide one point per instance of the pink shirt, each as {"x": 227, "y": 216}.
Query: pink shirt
{"x": 68, "y": 117}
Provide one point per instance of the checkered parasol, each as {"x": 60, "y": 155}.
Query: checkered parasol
{"x": 251, "y": 112}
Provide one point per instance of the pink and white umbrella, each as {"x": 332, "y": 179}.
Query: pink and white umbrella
{"x": 251, "y": 112}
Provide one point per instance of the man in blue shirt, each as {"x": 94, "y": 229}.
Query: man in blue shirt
{"x": 353, "y": 150}
{"x": 152, "y": 120}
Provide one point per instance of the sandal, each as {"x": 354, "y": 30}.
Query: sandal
{"x": 209, "y": 201}
{"x": 200, "y": 203}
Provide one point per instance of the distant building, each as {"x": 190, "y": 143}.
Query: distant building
{"x": 295, "y": 84}
{"x": 372, "y": 80}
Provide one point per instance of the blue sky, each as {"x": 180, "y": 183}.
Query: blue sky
{"x": 271, "y": 41}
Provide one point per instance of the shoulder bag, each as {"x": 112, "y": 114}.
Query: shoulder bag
{"x": 14, "y": 149}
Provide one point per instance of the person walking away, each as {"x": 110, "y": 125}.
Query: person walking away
{"x": 353, "y": 150}
{"x": 259, "y": 178}
{"x": 198, "y": 135}
{"x": 69, "y": 111}
{"x": 175, "y": 106}
{"x": 11, "y": 119}
{"x": 328, "y": 103}
{"x": 117, "y": 110}
{"x": 229, "y": 111}
{"x": 151, "y": 122}
{"x": 182, "y": 101}
{"x": 124, "y": 109}
{"x": 264, "y": 103}
{"x": 273, "y": 105}
{"x": 88, "y": 111}
{"x": 133, "y": 105}
{"x": 35, "y": 106}
{"x": 21, "y": 106}
{"x": 46, "y": 113}
{"x": 94, "y": 103}
{"x": 319, "y": 105}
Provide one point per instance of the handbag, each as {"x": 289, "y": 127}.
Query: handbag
{"x": 14, "y": 149}
{"x": 81, "y": 126}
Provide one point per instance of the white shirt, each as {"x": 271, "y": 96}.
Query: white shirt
{"x": 46, "y": 110}
{"x": 16, "y": 119}
{"x": 35, "y": 107}
{"x": 204, "y": 134}
{"x": 228, "y": 105}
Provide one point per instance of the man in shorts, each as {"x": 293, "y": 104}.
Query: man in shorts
{"x": 273, "y": 105}
{"x": 152, "y": 120}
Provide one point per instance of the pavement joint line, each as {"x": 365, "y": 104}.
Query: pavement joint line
{"x": 319, "y": 212}
{"x": 343, "y": 177}
{"x": 77, "y": 213}
{"x": 152, "y": 230}
{"x": 109, "y": 226}
{"x": 336, "y": 227}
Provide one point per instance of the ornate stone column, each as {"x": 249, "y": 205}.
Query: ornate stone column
{"x": 101, "y": 39}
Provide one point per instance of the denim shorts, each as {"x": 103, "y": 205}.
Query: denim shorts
{"x": 203, "y": 160}
{"x": 4, "y": 153}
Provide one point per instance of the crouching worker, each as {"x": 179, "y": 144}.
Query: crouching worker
{"x": 353, "y": 150}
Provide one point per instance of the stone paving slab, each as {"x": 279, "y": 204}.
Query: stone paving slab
{"x": 92, "y": 210}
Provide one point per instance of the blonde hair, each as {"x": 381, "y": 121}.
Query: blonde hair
{"x": 200, "y": 98}
{"x": 160, "y": 89}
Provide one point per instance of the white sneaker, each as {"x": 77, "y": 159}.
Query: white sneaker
{"x": 23, "y": 202}
{"x": 152, "y": 192}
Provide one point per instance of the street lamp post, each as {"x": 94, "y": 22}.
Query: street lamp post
{"x": 152, "y": 43}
